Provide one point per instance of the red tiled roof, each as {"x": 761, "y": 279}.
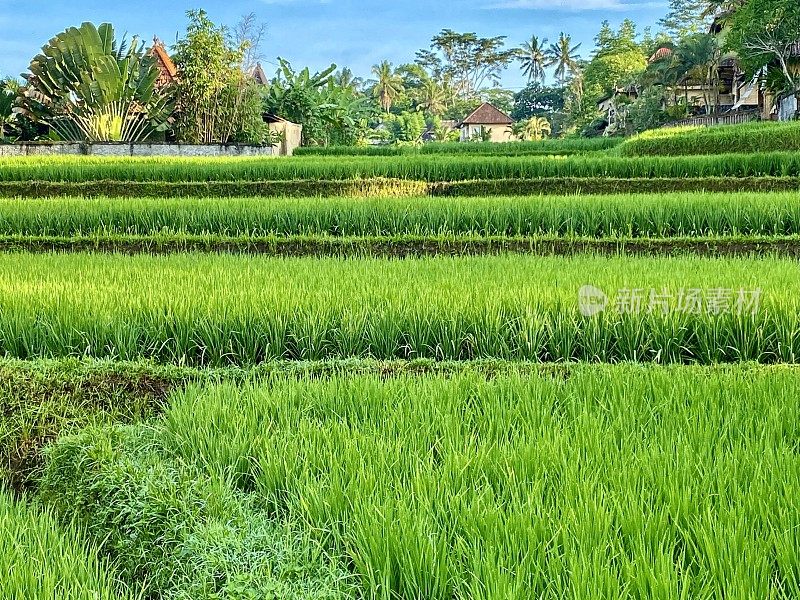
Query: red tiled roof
{"x": 661, "y": 53}
{"x": 488, "y": 114}
{"x": 169, "y": 72}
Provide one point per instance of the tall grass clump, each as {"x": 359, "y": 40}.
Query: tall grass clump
{"x": 176, "y": 534}
{"x": 42, "y": 560}
{"x": 622, "y": 216}
{"x": 726, "y": 139}
{"x": 241, "y": 310}
{"x": 606, "y": 482}
{"x": 430, "y": 168}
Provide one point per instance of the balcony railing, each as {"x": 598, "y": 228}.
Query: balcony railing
{"x": 723, "y": 119}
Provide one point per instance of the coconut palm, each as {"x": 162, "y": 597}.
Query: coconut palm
{"x": 389, "y": 86}
{"x": 432, "y": 98}
{"x": 698, "y": 57}
{"x": 564, "y": 56}
{"x": 534, "y": 129}
{"x": 346, "y": 80}
{"x": 533, "y": 57}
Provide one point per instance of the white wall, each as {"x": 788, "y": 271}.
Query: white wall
{"x": 787, "y": 108}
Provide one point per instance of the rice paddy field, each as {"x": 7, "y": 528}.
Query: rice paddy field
{"x": 563, "y": 369}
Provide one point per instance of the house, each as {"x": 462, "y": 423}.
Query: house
{"x": 610, "y": 104}
{"x": 698, "y": 95}
{"x": 740, "y": 94}
{"x": 259, "y": 76}
{"x": 168, "y": 72}
{"x": 487, "y": 118}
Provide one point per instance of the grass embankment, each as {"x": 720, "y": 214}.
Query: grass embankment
{"x": 406, "y": 246}
{"x": 234, "y": 310}
{"x": 683, "y": 141}
{"x": 41, "y": 400}
{"x": 380, "y": 187}
{"x": 599, "y": 482}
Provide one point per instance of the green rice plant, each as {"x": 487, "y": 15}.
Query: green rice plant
{"x": 745, "y": 138}
{"x": 41, "y": 560}
{"x": 621, "y": 216}
{"x": 430, "y": 168}
{"x": 563, "y": 147}
{"x": 175, "y": 534}
{"x": 604, "y": 482}
{"x": 240, "y": 310}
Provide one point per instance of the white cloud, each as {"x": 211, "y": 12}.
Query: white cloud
{"x": 575, "y": 5}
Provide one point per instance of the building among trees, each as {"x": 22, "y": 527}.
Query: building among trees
{"x": 487, "y": 122}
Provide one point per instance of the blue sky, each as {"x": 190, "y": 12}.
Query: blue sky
{"x": 354, "y": 33}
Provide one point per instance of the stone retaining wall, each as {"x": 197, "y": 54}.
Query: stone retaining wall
{"x": 124, "y": 149}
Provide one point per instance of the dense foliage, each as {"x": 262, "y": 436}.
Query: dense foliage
{"x": 215, "y": 102}
{"x": 87, "y": 85}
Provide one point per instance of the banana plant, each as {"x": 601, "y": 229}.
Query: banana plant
{"x": 7, "y": 100}
{"x": 88, "y": 87}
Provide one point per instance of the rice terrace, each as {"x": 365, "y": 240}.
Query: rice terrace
{"x": 494, "y": 323}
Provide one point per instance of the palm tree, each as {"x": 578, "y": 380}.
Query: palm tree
{"x": 534, "y": 129}
{"x": 564, "y": 56}
{"x": 432, "y": 98}
{"x": 346, "y": 80}
{"x": 389, "y": 85}
{"x": 533, "y": 57}
{"x": 698, "y": 57}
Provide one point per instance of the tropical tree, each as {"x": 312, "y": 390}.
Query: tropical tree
{"x": 564, "y": 56}
{"x": 216, "y": 101}
{"x": 534, "y": 60}
{"x": 329, "y": 112}
{"x": 389, "y": 85}
{"x": 766, "y": 35}
{"x": 432, "y": 97}
{"x": 533, "y": 129}
{"x": 467, "y": 61}
{"x": 88, "y": 86}
{"x": 298, "y": 96}
{"x": 697, "y": 59}
{"x": 344, "y": 79}
{"x": 442, "y": 133}
{"x": 8, "y": 98}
